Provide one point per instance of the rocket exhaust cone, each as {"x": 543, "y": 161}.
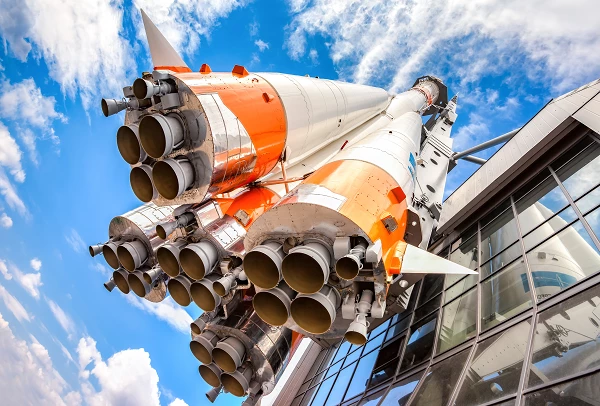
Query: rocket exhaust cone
{"x": 142, "y": 88}
{"x": 197, "y": 326}
{"x": 237, "y": 382}
{"x": 356, "y": 334}
{"x": 168, "y": 257}
{"x": 164, "y": 230}
{"x": 140, "y": 179}
{"x": 229, "y": 354}
{"x": 316, "y": 312}
{"x": 172, "y": 177}
{"x": 212, "y": 394}
{"x": 160, "y": 134}
{"x": 273, "y": 306}
{"x": 179, "y": 289}
{"x": 262, "y": 265}
{"x": 109, "y": 251}
{"x": 138, "y": 283}
{"x": 204, "y": 295}
{"x": 306, "y": 267}
{"x": 132, "y": 254}
{"x": 211, "y": 374}
{"x": 128, "y": 142}
{"x": 110, "y": 285}
{"x": 95, "y": 249}
{"x": 120, "y": 278}
{"x": 347, "y": 267}
{"x": 203, "y": 345}
{"x": 198, "y": 259}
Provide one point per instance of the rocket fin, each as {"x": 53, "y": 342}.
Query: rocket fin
{"x": 420, "y": 261}
{"x": 164, "y": 56}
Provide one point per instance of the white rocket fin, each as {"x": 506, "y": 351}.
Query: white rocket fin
{"x": 163, "y": 54}
{"x": 420, "y": 261}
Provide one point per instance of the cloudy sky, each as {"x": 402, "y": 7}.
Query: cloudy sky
{"x": 63, "y": 338}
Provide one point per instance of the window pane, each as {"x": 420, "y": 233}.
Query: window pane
{"x": 505, "y": 295}
{"x": 440, "y": 380}
{"x": 317, "y": 366}
{"x": 495, "y": 370}
{"x": 374, "y": 343}
{"x": 500, "y": 261}
{"x": 304, "y": 386}
{"x": 589, "y": 201}
{"x": 551, "y": 227}
{"x": 372, "y": 399}
{"x": 593, "y": 220}
{"x": 384, "y": 373}
{"x": 340, "y": 385}
{"x": 432, "y": 285}
{"x": 389, "y": 352}
{"x": 361, "y": 375}
{"x": 352, "y": 357}
{"x": 581, "y": 392}
{"x": 459, "y": 321}
{"x": 466, "y": 254}
{"x": 562, "y": 261}
{"x": 498, "y": 235}
{"x": 566, "y": 340}
{"x": 322, "y": 393}
{"x": 387, "y": 362}
{"x": 540, "y": 204}
{"x": 297, "y": 401}
{"x": 334, "y": 369}
{"x": 308, "y": 396}
{"x": 397, "y": 328}
{"x": 428, "y": 307}
{"x": 460, "y": 287}
{"x": 380, "y": 328}
{"x": 329, "y": 353}
{"x": 342, "y": 351}
{"x": 420, "y": 343}
{"x": 581, "y": 173}
{"x": 401, "y": 391}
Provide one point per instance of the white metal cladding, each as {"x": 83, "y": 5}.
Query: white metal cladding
{"x": 319, "y": 111}
{"x": 581, "y": 104}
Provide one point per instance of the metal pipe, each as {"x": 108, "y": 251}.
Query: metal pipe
{"x": 474, "y": 159}
{"x": 486, "y": 145}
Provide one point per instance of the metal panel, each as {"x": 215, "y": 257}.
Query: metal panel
{"x": 590, "y": 114}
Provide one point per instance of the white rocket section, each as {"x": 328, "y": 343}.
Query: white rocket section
{"x": 163, "y": 54}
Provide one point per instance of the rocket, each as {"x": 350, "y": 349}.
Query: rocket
{"x": 283, "y": 206}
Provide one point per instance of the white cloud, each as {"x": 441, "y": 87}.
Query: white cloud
{"x": 31, "y": 282}
{"x": 80, "y": 40}
{"x": 10, "y": 154}
{"x": 178, "y": 402}
{"x": 27, "y": 376}
{"x": 126, "y": 378}
{"x": 75, "y": 241}
{"x": 373, "y": 41}
{"x": 262, "y": 45}
{"x": 63, "y": 318}
{"x": 36, "y": 264}
{"x": 314, "y": 56}
{"x": 101, "y": 268}
{"x": 253, "y": 28}
{"x": 11, "y": 196}
{"x": 5, "y": 221}
{"x": 4, "y": 270}
{"x": 15, "y": 307}
{"x": 167, "y": 310}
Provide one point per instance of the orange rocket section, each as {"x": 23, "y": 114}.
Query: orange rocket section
{"x": 262, "y": 116}
{"x": 374, "y": 202}
{"x": 253, "y": 202}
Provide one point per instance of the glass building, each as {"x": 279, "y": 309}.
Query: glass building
{"x": 526, "y": 329}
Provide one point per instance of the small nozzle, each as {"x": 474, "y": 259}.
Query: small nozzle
{"x": 160, "y": 135}
{"x": 128, "y": 142}
{"x": 110, "y": 284}
{"x": 273, "y": 306}
{"x": 229, "y": 354}
{"x": 348, "y": 266}
{"x": 137, "y": 284}
{"x": 109, "y": 251}
{"x": 204, "y": 295}
{"x": 144, "y": 89}
{"x": 306, "y": 267}
{"x": 168, "y": 257}
{"x": 166, "y": 229}
{"x": 357, "y": 332}
{"x": 203, "y": 345}
{"x": 172, "y": 177}
{"x": 179, "y": 288}
{"x": 316, "y": 312}
{"x": 120, "y": 278}
{"x": 95, "y": 249}
{"x": 198, "y": 325}
{"x": 112, "y": 106}
{"x": 211, "y": 373}
{"x": 223, "y": 285}
{"x": 140, "y": 179}
{"x": 263, "y": 263}
{"x": 212, "y": 394}
{"x": 198, "y": 259}
{"x": 132, "y": 255}
{"x": 238, "y": 381}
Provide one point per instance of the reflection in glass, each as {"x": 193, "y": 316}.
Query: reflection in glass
{"x": 420, "y": 343}
{"x": 459, "y": 321}
{"x": 504, "y": 295}
{"x": 540, "y": 204}
{"x": 501, "y": 260}
{"x": 379, "y": 329}
{"x": 397, "y": 328}
{"x": 308, "y": 396}
{"x": 589, "y": 201}
{"x": 581, "y": 173}
{"x": 372, "y": 399}
{"x": 440, "y": 380}
{"x": 339, "y": 387}
{"x": 498, "y": 235}
{"x": 361, "y": 375}
{"x": 427, "y": 308}
{"x": 432, "y": 285}
{"x": 374, "y": 343}
{"x": 387, "y": 361}
{"x": 562, "y": 261}
{"x": 593, "y": 220}
{"x": 353, "y": 356}
{"x": 466, "y": 254}
{"x": 323, "y": 391}
{"x": 321, "y": 362}
{"x": 581, "y": 392}
{"x": 401, "y": 391}
{"x": 297, "y": 401}
{"x": 342, "y": 351}
{"x": 552, "y": 226}
{"x": 462, "y": 286}
{"x": 567, "y": 338}
{"x": 496, "y": 367}
{"x": 334, "y": 369}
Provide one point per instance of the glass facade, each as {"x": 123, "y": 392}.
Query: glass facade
{"x": 524, "y": 331}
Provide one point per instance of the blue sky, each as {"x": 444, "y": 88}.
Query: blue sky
{"x": 62, "y": 179}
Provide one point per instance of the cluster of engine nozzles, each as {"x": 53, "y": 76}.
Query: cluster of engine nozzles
{"x": 296, "y": 285}
{"x": 224, "y": 361}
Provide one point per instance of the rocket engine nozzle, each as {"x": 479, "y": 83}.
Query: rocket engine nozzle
{"x": 160, "y": 135}
{"x": 348, "y": 266}
{"x": 316, "y": 312}
{"x": 357, "y": 332}
{"x": 141, "y": 282}
{"x": 179, "y": 289}
{"x": 172, "y": 177}
{"x": 132, "y": 255}
{"x": 144, "y": 89}
{"x": 237, "y": 382}
{"x": 198, "y": 259}
{"x": 212, "y": 394}
{"x": 164, "y": 230}
{"x": 120, "y": 278}
{"x": 110, "y": 284}
{"x": 263, "y": 264}
{"x": 128, "y": 142}
{"x": 95, "y": 249}
{"x": 306, "y": 267}
{"x": 113, "y": 106}
{"x": 224, "y": 285}
{"x": 211, "y": 373}
{"x": 204, "y": 295}
{"x": 168, "y": 257}
{"x": 203, "y": 345}
{"x": 273, "y": 306}
{"x": 109, "y": 251}
{"x": 229, "y": 354}
{"x": 140, "y": 179}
